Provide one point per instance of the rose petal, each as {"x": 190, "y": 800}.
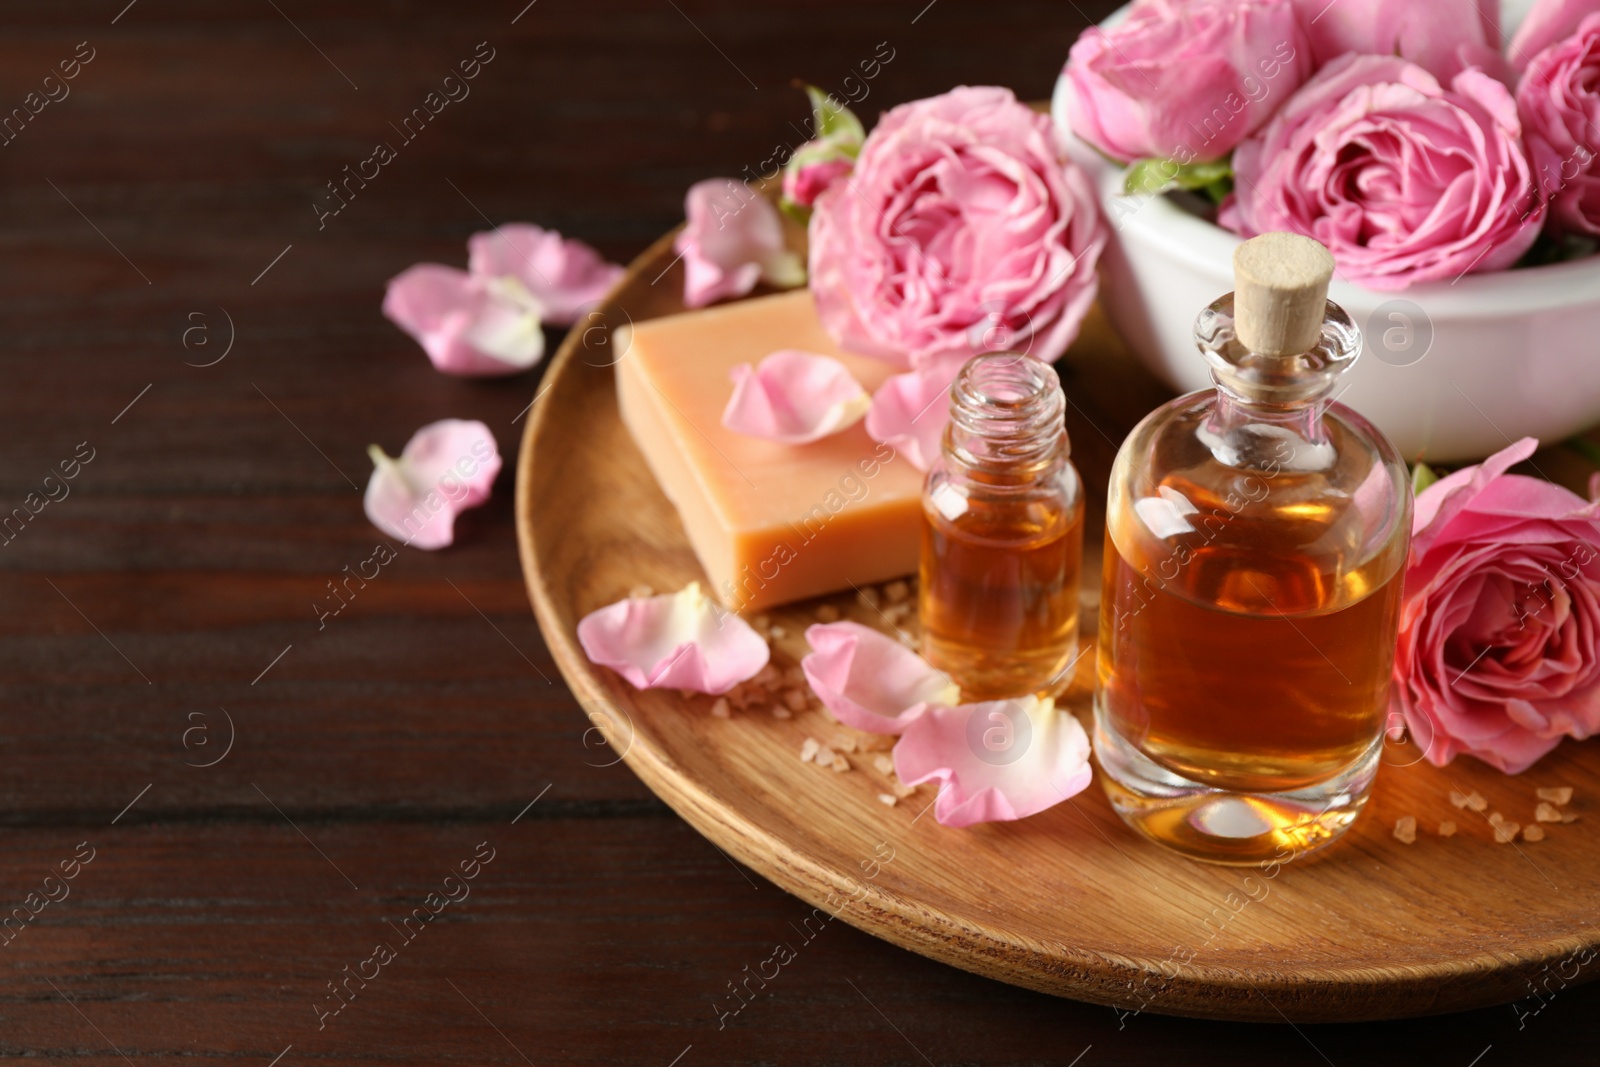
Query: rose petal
{"x": 996, "y": 761}
{"x": 806, "y": 176}
{"x": 1547, "y": 24}
{"x": 469, "y": 326}
{"x": 910, "y": 411}
{"x": 794, "y": 397}
{"x": 1557, "y": 101}
{"x": 871, "y": 681}
{"x": 564, "y": 276}
{"x": 1443, "y": 37}
{"x": 446, "y": 468}
{"x": 680, "y": 640}
{"x": 732, "y": 240}
{"x": 1444, "y": 499}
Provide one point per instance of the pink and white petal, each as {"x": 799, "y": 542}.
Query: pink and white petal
{"x": 705, "y": 282}
{"x": 458, "y": 455}
{"x": 509, "y": 325}
{"x": 565, "y": 275}
{"x": 794, "y": 397}
{"x": 869, "y": 680}
{"x": 996, "y": 761}
{"x": 679, "y": 640}
{"x": 910, "y": 411}
{"x": 465, "y": 328}
{"x": 733, "y": 239}
{"x": 446, "y": 468}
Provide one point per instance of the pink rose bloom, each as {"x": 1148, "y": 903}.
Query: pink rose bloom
{"x": 1559, "y": 100}
{"x": 809, "y": 174}
{"x": 963, "y": 227}
{"x": 1404, "y": 180}
{"x": 1499, "y": 651}
{"x": 1549, "y": 22}
{"x": 1185, "y": 81}
{"x": 1443, "y": 37}
{"x": 828, "y": 156}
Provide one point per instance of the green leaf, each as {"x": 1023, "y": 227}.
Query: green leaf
{"x": 832, "y": 120}
{"x": 798, "y": 212}
{"x": 1422, "y": 476}
{"x": 1151, "y": 177}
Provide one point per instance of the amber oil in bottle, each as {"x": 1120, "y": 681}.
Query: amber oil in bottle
{"x": 1002, "y": 534}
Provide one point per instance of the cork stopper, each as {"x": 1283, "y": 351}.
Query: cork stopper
{"x": 1280, "y": 293}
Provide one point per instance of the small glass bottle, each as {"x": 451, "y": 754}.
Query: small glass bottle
{"x": 1002, "y": 534}
{"x": 1256, "y": 538}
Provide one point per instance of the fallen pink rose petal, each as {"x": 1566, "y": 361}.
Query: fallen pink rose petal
{"x": 565, "y": 276}
{"x": 794, "y": 397}
{"x": 679, "y": 640}
{"x": 910, "y": 411}
{"x": 446, "y": 468}
{"x": 733, "y": 239}
{"x": 997, "y": 761}
{"x": 469, "y": 325}
{"x": 871, "y": 681}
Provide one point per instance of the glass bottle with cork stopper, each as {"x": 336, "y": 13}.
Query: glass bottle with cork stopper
{"x": 1256, "y": 539}
{"x": 1002, "y": 534}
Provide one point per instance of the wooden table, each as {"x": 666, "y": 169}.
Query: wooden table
{"x": 172, "y": 307}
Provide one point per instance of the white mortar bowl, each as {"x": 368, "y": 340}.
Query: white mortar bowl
{"x": 1451, "y": 371}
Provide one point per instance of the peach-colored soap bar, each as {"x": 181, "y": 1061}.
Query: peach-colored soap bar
{"x": 770, "y": 522}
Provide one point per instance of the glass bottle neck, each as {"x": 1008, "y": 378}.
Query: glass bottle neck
{"x": 1263, "y": 398}
{"x": 1007, "y": 420}
{"x": 1233, "y": 414}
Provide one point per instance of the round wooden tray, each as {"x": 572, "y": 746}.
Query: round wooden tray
{"x": 1070, "y": 901}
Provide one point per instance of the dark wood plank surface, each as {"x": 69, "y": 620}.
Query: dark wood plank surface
{"x": 173, "y": 188}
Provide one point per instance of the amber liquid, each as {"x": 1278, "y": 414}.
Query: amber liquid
{"x": 999, "y": 595}
{"x": 1247, "y": 670}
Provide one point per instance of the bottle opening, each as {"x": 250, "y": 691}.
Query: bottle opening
{"x": 1006, "y": 408}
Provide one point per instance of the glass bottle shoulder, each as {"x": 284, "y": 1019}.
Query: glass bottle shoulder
{"x": 1040, "y": 508}
{"x": 1255, "y": 513}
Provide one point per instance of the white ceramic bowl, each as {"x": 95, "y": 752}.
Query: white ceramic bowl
{"x": 1451, "y": 371}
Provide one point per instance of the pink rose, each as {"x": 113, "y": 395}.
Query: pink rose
{"x": 1559, "y": 100}
{"x": 1185, "y": 81}
{"x": 1550, "y": 22}
{"x": 1404, "y": 181}
{"x": 1499, "y": 651}
{"x": 828, "y": 156}
{"x": 1443, "y": 37}
{"x": 806, "y": 177}
{"x": 964, "y": 229}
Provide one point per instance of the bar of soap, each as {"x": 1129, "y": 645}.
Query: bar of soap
{"x": 770, "y": 522}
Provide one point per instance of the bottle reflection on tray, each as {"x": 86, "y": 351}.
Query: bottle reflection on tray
{"x": 1256, "y": 538}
